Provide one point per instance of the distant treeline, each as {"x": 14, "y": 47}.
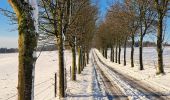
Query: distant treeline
{"x": 41, "y": 48}
{"x": 146, "y": 44}
{"x": 14, "y": 50}
{"x": 51, "y": 48}
{"x": 10, "y": 50}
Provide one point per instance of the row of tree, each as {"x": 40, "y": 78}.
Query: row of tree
{"x": 130, "y": 19}
{"x": 60, "y": 22}
{"x": 6, "y": 50}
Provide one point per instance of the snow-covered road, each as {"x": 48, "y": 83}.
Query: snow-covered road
{"x": 133, "y": 89}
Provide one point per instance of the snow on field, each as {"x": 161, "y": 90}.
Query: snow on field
{"x": 8, "y": 75}
{"x": 160, "y": 82}
{"x": 46, "y": 67}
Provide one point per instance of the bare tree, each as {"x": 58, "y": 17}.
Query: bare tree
{"x": 54, "y": 20}
{"x": 83, "y": 14}
{"x": 118, "y": 17}
{"x": 146, "y": 18}
{"x": 162, "y": 9}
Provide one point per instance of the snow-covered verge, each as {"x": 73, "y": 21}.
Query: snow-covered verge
{"x": 46, "y": 67}
{"x": 87, "y": 86}
{"x": 160, "y": 82}
{"x": 82, "y": 89}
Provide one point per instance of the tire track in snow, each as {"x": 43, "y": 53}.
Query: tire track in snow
{"x": 98, "y": 92}
{"x": 136, "y": 92}
{"x": 112, "y": 91}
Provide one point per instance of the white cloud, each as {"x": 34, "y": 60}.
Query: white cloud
{"x": 8, "y": 42}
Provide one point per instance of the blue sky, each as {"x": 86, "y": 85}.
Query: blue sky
{"x": 103, "y": 6}
{"x": 8, "y": 38}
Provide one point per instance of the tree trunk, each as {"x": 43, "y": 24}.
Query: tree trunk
{"x": 103, "y": 52}
{"x": 27, "y": 44}
{"x": 61, "y": 89}
{"x": 116, "y": 54}
{"x": 119, "y": 54}
{"x": 111, "y": 54}
{"x": 160, "y": 69}
{"x": 73, "y": 63}
{"x": 85, "y": 59}
{"x": 125, "y": 51}
{"x": 141, "y": 52}
{"x": 80, "y": 60}
{"x": 132, "y": 50}
{"x": 87, "y": 54}
{"x": 61, "y": 68}
{"x": 83, "y": 63}
{"x": 106, "y": 53}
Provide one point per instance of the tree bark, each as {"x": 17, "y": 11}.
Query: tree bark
{"x": 61, "y": 89}
{"x": 27, "y": 44}
{"x": 73, "y": 63}
{"x": 141, "y": 52}
{"x": 84, "y": 59}
{"x": 87, "y": 54}
{"x": 80, "y": 60}
{"x": 119, "y": 54}
{"x": 106, "y": 53}
{"x": 160, "y": 69}
{"x": 103, "y": 52}
{"x": 125, "y": 51}
{"x": 132, "y": 50}
{"x": 116, "y": 53}
{"x": 111, "y": 54}
{"x": 83, "y": 63}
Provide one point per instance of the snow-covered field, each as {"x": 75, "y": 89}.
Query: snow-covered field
{"x": 148, "y": 75}
{"x": 46, "y": 67}
{"x": 149, "y": 56}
